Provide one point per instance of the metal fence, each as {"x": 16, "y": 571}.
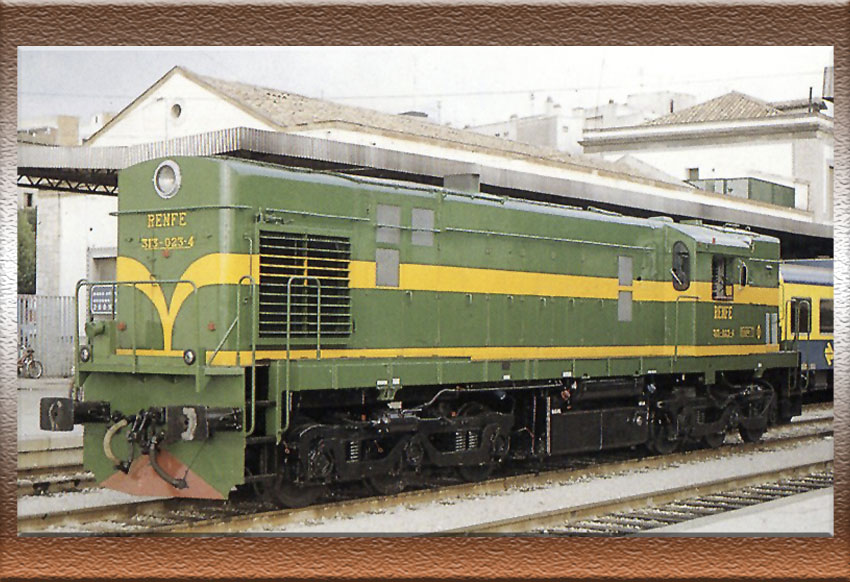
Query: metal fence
{"x": 46, "y": 324}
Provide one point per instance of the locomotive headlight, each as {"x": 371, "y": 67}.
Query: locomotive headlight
{"x": 85, "y": 354}
{"x": 189, "y": 357}
{"x": 166, "y": 179}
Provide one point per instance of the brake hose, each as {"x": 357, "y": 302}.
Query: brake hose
{"x": 107, "y": 441}
{"x": 173, "y": 481}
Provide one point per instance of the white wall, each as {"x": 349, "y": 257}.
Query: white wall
{"x": 68, "y": 225}
{"x": 719, "y": 161}
{"x": 152, "y": 119}
{"x": 812, "y": 158}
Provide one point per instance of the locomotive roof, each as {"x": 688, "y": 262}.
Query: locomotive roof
{"x": 720, "y": 235}
{"x": 702, "y": 233}
{"x": 807, "y": 272}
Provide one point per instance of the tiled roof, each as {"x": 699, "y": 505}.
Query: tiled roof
{"x": 732, "y": 106}
{"x": 294, "y": 112}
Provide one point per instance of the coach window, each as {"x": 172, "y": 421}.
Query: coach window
{"x": 681, "y": 270}
{"x": 389, "y": 221}
{"x": 826, "y": 315}
{"x": 744, "y": 274}
{"x": 423, "y": 227}
{"x": 721, "y": 282}
{"x": 800, "y": 313}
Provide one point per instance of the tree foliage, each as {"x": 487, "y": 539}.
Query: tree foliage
{"x": 26, "y": 250}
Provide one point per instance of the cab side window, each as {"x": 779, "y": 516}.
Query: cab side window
{"x": 721, "y": 278}
{"x": 681, "y": 269}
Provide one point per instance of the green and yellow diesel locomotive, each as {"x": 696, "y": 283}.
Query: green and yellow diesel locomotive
{"x": 290, "y": 330}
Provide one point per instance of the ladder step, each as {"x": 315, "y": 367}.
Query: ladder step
{"x": 266, "y": 403}
{"x": 256, "y": 440}
{"x": 223, "y": 371}
{"x": 255, "y": 478}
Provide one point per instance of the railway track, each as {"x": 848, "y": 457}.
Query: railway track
{"x": 635, "y": 513}
{"x": 169, "y": 516}
{"x": 129, "y": 517}
{"x": 703, "y": 505}
{"x": 279, "y": 518}
{"x": 44, "y": 470}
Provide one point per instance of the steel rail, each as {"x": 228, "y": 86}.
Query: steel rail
{"x": 558, "y": 517}
{"x": 120, "y": 511}
{"x": 40, "y": 461}
{"x": 70, "y": 479}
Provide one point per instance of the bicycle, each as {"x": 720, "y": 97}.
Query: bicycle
{"x": 28, "y": 366}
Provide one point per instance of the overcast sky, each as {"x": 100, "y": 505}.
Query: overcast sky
{"x": 456, "y": 85}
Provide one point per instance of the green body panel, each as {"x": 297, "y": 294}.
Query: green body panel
{"x": 140, "y": 391}
{"x": 387, "y": 318}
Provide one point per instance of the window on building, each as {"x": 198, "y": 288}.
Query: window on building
{"x": 693, "y": 173}
{"x": 389, "y": 221}
{"x": 28, "y": 199}
{"x": 681, "y": 269}
{"x": 801, "y": 317}
{"x": 826, "y": 315}
{"x": 423, "y": 227}
{"x": 721, "y": 282}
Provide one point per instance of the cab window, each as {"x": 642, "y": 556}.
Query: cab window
{"x": 681, "y": 269}
{"x": 721, "y": 278}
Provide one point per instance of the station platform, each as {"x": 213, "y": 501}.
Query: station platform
{"x": 810, "y": 513}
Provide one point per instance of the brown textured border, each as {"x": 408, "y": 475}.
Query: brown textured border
{"x": 405, "y": 558}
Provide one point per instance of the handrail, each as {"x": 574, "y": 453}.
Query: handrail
{"x": 795, "y": 314}
{"x": 89, "y": 316}
{"x": 676, "y": 325}
{"x": 227, "y": 334}
{"x": 254, "y": 326}
{"x": 282, "y": 428}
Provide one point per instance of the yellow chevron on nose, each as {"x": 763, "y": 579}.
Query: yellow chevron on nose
{"x": 212, "y": 269}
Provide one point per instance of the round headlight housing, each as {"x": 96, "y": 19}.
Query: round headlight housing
{"x": 85, "y": 353}
{"x": 189, "y": 357}
{"x": 166, "y": 179}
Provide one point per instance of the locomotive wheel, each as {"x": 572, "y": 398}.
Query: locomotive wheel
{"x": 388, "y": 483}
{"x": 660, "y": 441}
{"x": 498, "y": 450}
{"x": 288, "y": 494}
{"x": 473, "y": 473}
{"x": 713, "y": 441}
{"x": 751, "y": 435}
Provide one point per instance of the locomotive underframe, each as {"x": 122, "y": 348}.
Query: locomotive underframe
{"x": 426, "y": 428}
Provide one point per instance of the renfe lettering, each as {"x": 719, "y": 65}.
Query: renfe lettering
{"x": 166, "y": 219}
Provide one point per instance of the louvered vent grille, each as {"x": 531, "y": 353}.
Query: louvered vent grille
{"x": 285, "y": 256}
